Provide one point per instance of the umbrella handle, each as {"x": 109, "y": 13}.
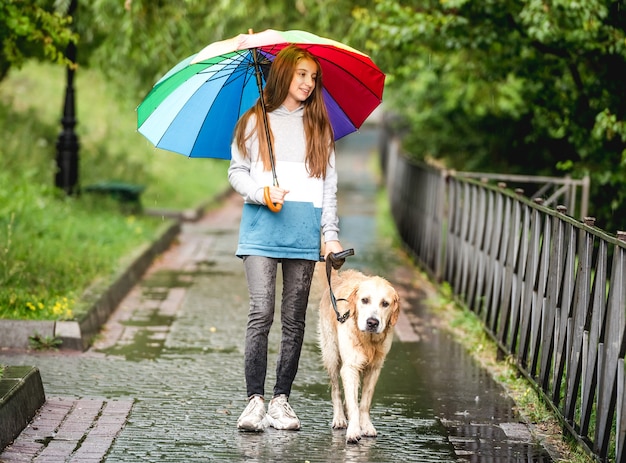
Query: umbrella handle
{"x": 273, "y": 207}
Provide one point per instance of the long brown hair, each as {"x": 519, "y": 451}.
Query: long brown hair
{"x": 317, "y": 128}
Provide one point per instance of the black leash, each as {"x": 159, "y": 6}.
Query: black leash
{"x": 336, "y": 260}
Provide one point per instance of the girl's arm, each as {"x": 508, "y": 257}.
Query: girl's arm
{"x": 240, "y": 179}
{"x": 330, "y": 220}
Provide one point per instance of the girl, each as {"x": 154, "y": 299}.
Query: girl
{"x": 303, "y": 145}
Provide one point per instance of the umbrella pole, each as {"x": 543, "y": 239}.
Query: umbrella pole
{"x": 257, "y": 72}
{"x": 259, "y": 83}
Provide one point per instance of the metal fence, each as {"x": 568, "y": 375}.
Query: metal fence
{"x": 550, "y": 290}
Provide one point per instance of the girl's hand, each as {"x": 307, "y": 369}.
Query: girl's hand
{"x": 332, "y": 246}
{"x": 277, "y": 195}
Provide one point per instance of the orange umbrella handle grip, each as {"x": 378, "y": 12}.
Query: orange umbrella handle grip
{"x": 273, "y": 207}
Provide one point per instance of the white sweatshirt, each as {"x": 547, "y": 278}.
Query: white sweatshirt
{"x": 310, "y": 206}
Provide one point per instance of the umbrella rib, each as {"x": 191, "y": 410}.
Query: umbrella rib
{"x": 365, "y": 87}
{"x": 246, "y": 76}
{"x": 363, "y": 60}
{"x": 229, "y": 68}
{"x": 368, "y": 65}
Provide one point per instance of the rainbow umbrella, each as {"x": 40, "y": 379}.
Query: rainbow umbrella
{"x": 193, "y": 108}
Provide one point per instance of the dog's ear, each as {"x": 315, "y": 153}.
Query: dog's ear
{"x": 395, "y": 308}
{"x": 354, "y": 293}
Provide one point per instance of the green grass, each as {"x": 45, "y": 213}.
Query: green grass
{"x": 31, "y": 100}
{"x": 52, "y": 247}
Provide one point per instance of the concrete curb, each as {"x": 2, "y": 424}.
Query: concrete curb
{"x": 21, "y": 395}
{"x": 21, "y": 388}
{"x": 77, "y": 335}
{"x": 104, "y": 297}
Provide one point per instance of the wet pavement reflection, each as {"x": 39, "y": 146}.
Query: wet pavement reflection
{"x": 175, "y": 348}
{"x": 434, "y": 382}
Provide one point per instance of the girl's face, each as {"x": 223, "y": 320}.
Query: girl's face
{"x": 302, "y": 83}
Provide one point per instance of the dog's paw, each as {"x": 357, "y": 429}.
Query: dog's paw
{"x": 353, "y": 434}
{"x": 339, "y": 418}
{"x": 368, "y": 430}
{"x": 340, "y": 422}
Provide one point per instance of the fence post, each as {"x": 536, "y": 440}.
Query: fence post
{"x": 612, "y": 341}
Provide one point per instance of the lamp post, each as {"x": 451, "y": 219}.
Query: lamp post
{"x": 67, "y": 144}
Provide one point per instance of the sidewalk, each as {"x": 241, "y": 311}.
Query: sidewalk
{"x": 164, "y": 382}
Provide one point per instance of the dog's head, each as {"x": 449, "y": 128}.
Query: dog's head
{"x": 375, "y": 305}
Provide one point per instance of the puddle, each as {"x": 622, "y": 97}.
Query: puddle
{"x": 432, "y": 402}
{"x": 144, "y": 337}
{"x": 445, "y": 382}
{"x": 161, "y": 281}
{"x": 434, "y": 377}
{"x": 433, "y": 399}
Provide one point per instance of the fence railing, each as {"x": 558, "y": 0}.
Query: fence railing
{"x": 550, "y": 290}
{"x": 553, "y": 191}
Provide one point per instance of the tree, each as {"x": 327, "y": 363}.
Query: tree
{"x": 135, "y": 42}
{"x": 32, "y": 29}
{"x": 530, "y": 87}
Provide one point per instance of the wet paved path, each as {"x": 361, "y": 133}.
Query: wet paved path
{"x": 164, "y": 382}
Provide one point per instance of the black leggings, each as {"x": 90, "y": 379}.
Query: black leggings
{"x": 261, "y": 277}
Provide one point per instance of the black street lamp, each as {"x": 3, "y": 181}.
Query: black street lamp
{"x": 67, "y": 145}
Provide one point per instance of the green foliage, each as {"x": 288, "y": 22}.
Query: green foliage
{"x": 529, "y": 87}
{"x": 151, "y": 37}
{"x": 51, "y": 246}
{"x": 32, "y": 29}
{"x": 40, "y": 342}
{"x": 110, "y": 147}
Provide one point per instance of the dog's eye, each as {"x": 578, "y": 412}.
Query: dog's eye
{"x": 385, "y": 304}
{"x": 365, "y": 300}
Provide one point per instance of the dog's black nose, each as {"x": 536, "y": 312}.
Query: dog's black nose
{"x": 372, "y": 324}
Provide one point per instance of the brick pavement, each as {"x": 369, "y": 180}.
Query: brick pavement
{"x": 164, "y": 381}
{"x": 67, "y": 429}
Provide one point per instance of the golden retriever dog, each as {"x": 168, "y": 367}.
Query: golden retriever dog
{"x": 356, "y": 349}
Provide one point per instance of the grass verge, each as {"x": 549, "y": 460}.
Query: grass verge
{"x": 53, "y": 246}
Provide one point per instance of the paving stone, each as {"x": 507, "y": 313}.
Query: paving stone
{"x": 164, "y": 381}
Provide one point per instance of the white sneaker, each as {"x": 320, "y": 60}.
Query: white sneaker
{"x": 280, "y": 415}
{"x": 253, "y": 416}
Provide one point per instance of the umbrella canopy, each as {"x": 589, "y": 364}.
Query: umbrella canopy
{"x": 193, "y": 108}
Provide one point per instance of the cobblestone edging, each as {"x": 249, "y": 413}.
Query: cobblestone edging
{"x": 21, "y": 395}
